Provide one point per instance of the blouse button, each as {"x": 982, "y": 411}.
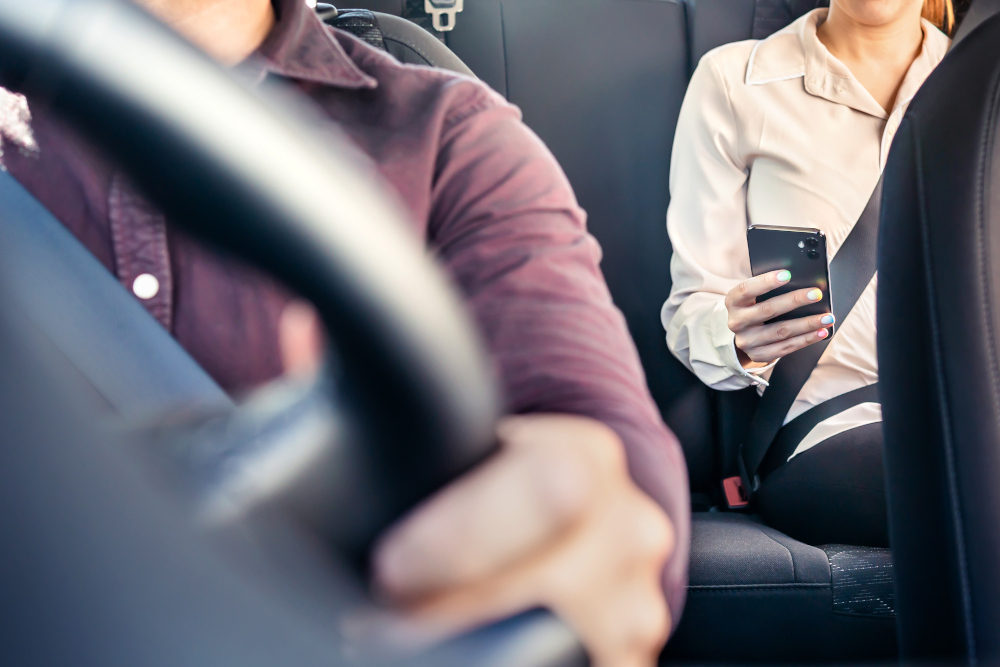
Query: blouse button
{"x": 145, "y": 286}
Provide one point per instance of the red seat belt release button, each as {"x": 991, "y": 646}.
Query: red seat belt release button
{"x": 736, "y": 495}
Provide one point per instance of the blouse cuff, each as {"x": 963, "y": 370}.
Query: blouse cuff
{"x": 725, "y": 345}
{"x": 755, "y": 375}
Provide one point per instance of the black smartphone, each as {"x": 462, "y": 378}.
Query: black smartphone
{"x": 801, "y": 250}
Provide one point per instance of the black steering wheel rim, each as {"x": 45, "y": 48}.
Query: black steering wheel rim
{"x": 247, "y": 174}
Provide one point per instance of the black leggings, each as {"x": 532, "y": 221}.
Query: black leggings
{"x": 832, "y": 493}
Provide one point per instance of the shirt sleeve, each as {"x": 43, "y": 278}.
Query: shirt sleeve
{"x": 707, "y": 222}
{"x": 508, "y": 228}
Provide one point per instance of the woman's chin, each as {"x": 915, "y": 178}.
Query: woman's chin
{"x": 877, "y": 13}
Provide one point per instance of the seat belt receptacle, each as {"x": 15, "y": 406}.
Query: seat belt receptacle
{"x": 735, "y": 493}
{"x": 739, "y": 489}
{"x": 851, "y": 271}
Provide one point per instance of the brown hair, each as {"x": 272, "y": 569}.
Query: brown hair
{"x": 941, "y": 13}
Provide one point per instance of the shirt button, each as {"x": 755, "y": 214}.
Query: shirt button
{"x": 145, "y": 286}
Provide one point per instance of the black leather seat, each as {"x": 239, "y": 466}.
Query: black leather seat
{"x": 939, "y": 303}
{"x": 404, "y": 39}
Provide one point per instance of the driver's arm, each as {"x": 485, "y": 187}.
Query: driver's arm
{"x": 506, "y": 225}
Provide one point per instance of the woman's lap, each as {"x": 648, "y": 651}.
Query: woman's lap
{"x": 832, "y": 493}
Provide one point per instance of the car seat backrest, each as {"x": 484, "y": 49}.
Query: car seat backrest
{"x": 601, "y": 82}
{"x": 939, "y": 314}
{"x": 770, "y": 16}
{"x": 405, "y": 40}
{"x": 713, "y": 23}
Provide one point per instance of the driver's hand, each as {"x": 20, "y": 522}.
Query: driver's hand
{"x": 552, "y": 520}
{"x": 758, "y": 344}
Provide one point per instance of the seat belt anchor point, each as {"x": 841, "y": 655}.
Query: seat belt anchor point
{"x": 735, "y": 493}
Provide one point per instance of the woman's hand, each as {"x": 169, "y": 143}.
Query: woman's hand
{"x": 758, "y": 344}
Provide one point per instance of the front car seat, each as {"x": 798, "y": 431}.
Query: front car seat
{"x": 405, "y": 40}
{"x": 939, "y": 314}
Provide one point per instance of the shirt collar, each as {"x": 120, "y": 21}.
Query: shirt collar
{"x": 935, "y": 46}
{"x": 797, "y": 52}
{"x": 302, "y": 48}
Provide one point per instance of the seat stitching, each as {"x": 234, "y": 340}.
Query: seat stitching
{"x": 416, "y": 48}
{"x": 722, "y": 588}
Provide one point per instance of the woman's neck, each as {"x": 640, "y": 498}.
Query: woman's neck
{"x": 878, "y": 54}
{"x": 228, "y": 30}
{"x": 848, "y": 38}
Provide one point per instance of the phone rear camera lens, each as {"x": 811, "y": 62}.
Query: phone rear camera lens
{"x": 812, "y": 253}
{"x": 812, "y": 242}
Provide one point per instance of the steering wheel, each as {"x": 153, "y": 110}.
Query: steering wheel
{"x": 407, "y": 403}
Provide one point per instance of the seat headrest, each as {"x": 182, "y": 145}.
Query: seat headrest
{"x": 770, "y": 16}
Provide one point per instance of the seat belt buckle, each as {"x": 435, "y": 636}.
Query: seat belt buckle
{"x": 739, "y": 489}
{"x": 735, "y": 493}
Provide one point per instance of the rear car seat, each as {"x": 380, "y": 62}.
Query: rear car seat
{"x": 601, "y": 82}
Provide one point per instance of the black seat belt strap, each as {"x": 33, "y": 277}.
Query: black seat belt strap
{"x": 792, "y": 433}
{"x": 851, "y": 271}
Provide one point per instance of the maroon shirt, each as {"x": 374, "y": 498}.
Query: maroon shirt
{"x": 482, "y": 189}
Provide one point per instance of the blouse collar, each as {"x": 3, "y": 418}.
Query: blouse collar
{"x": 796, "y": 52}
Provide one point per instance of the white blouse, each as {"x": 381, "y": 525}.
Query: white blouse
{"x": 776, "y": 132}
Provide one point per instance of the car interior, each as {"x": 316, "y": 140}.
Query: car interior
{"x": 608, "y": 114}
{"x": 601, "y": 82}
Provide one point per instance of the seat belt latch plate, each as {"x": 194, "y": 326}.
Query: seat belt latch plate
{"x": 736, "y": 495}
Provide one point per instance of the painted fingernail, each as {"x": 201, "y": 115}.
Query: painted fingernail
{"x": 814, "y": 295}
{"x": 826, "y": 319}
{"x": 784, "y": 276}
{"x": 822, "y": 333}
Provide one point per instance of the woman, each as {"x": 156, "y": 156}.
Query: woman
{"x": 794, "y": 130}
